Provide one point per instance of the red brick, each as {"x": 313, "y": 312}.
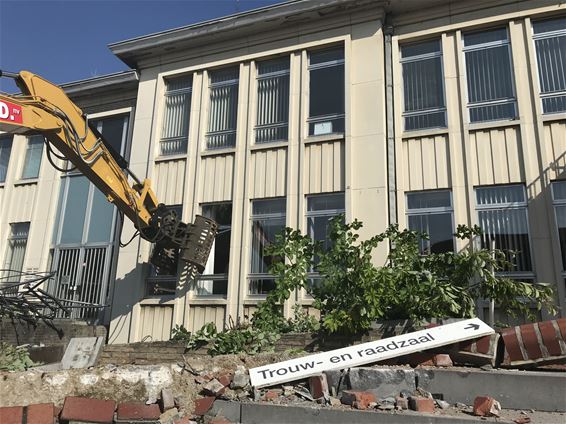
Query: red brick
{"x": 562, "y": 327}
{"x": 401, "y": 402}
{"x": 225, "y": 379}
{"x": 138, "y": 411}
{"x": 89, "y": 410}
{"x": 272, "y": 395}
{"x": 530, "y": 341}
{"x": 485, "y": 406}
{"x": 512, "y": 344}
{"x": 548, "y": 333}
{"x": 442, "y": 360}
{"x": 41, "y": 413}
{"x": 466, "y": 346}
{"x": 202, "y": 405}
{"x": 319, "y": 386}
{"x": 483, "y": 344}
{"x": 11, "y": 414}
{"x": 421, "y": 359}
{"x": 357, "y": 399}
{"x": 421, "y": 404}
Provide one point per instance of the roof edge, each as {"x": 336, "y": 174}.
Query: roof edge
{"x": 100, "y": 82}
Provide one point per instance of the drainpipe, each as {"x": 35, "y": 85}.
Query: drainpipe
{"x": 390, "y": 116}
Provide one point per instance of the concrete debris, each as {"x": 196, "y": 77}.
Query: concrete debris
{"x": 82, "y": 352}
{"x": 169, "y": 416}
{"x": 442, "y": 404}
{"x": 167, "y": 400}
{"x": 214, "y": 387}
{"x": 241, "y": 378}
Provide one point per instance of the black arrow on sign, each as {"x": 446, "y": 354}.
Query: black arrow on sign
{"x": 472, "y": 326}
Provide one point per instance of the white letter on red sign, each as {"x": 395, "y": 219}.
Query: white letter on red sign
{"x": 4, "y": 111}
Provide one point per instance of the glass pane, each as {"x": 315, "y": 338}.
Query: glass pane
{"x": 223, "y": 109}
{"x": 101, "y": 219}
{"x": 261, "y": 286}
{"x": 554, "y": 104}
{"x": 509, "y": 229}
{"x": 331, "y": 202}
{"x": 5, "y": 150}
{"x": 268, "y": 206}
{"x": 218, "y": 260}
{"x": 549, "y": 25}
{"x": 326, "y": 125}
{"x": 551, "y": 59}
{"x": 500, "y": 195}
{"x": 224, "y": 75}
{"x": 209, "y": 287}
{"x": 423, "y": 85}
{"x": 32, "y": 161}
{"x": 493, "y": 112}
{"x": 559, "y": 190}
{"x": 489, "y": 74}
{"x": 113, "y": 132}
{"x": 439, "y": 229}
{"x": 180, "y": 83}
{"x": 176, "y": 119}
{"x": 428, "y": 47}
{"x": 75, "y": 210}
{"x": 427, "y": 200}
{"x": 483, "y": 37}
{"x": 326, "y": 91}
{"x": 263, "y": 234}
{"x": 273, "y": 101}
{"x": 324, "y": 56}
{"x": 425, "y": 120}
{"x": 561, "y": 221}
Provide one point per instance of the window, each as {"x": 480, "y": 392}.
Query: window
{"x": 15, "y": 254}
{"x": 5, "y": 150}
{"x": 272, "y": 101}
{"x": 163, "y": 284}
{"x": 32, "y": 161}
{"x": 268, "y": 220}
{"x": 423, "y": 87}
{"x": 502, "y": 214}
{"x": 550, "y": 42}
{"x": 559, "y": 197}
{"x": 223, "y": 108}
{"x": 175, "y": 130}
{"x": 491, "y": 91}
{"x": 214, "y": 279}
{"x": 320, "y": 210}
{"x": 431, "y": 212}
{"x": 326, "y": 91}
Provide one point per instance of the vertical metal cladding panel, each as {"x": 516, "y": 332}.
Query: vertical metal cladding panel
{"x": 554, "y": 149}
{"x": 497, "y": 156}
{"x": 269, "y": 173}
{"x": 199, "y": 315}
{"x": 217, "y": 178}
{"x": 170, "y": 181}
{"x": 156, "y": 322}
{"x": 324, "y": 167}
{"x": 22, "y": 209}
{"x": 427, "y": 163}
{"x": 249, "y": 311}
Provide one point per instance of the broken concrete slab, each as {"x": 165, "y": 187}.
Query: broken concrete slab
{"x": 543, "y": 391}
{"x": 382, "y": 382}
{"x": 82, "y": 352}
{"x": 227, "y": 409}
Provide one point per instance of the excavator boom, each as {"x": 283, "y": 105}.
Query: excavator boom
{"x": 44, "y": 108}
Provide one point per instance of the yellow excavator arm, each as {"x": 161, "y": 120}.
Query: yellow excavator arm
{"x": 44, "y": 108}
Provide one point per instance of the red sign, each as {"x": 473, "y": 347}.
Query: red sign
{"x": 9, "y": 112}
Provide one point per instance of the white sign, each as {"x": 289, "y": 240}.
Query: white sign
{"x": 366, "y": 353}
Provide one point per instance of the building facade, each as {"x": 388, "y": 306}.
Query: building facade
{"x": 427, "y": 114}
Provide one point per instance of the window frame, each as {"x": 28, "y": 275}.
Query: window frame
{"x": 7, "y": 262}
{"x": 7, "y": 139}
{"x": 324, "y": 65}
{"x": 211, "y": 85}
{"x": 555, "y": 204}
{"x": 541, "y": 36}
{"x": 417, "y": 58}
{"x": 484, "y": 46}
{"x": 274, "y": 215}
{"x": 523, "y": 205}
{"x": 258, "y": 78}
{"x": 433, "y": 211}
{"x": 25, "y": 164}
{"x": 184, "y": 139}
{"x": 216, "y": 277}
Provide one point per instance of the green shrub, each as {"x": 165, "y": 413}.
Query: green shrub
{"x": 14, "y": 358}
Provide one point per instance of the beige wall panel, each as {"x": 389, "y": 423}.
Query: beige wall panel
{"x": 155, "y": 322}
{"x": 498, "y": 156}
{"x": 249, "y": 311}
{"x": 268, "y": 173}
{"x": 199, "y": 315}
{"x": 324, "y": 167}
{"x": 426, "y": 163}
{"x": 554, "y": 145}
{"x": 170, "y": 181}
{"x": 217, "y": 178}
{"x": 23, "y": 203}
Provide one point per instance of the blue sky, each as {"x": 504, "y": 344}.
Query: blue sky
{"x": 66, "y": 40}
